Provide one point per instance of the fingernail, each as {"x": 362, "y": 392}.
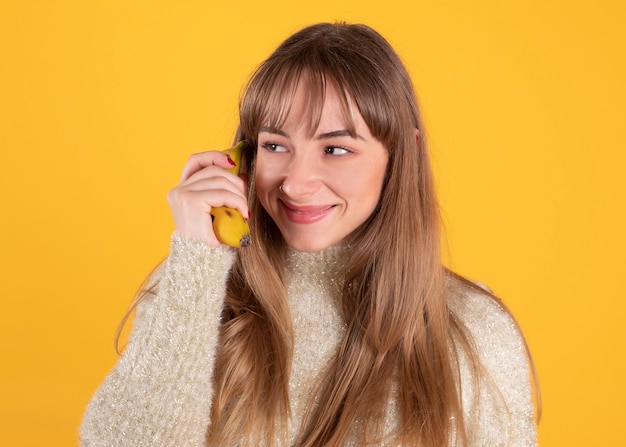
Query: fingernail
{"x": 248, "y": 214}
{"x": 230, "y": 160}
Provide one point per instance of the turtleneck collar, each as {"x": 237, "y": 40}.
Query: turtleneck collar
{"x": 324, "y": 262}
{"x": 319, "y": 270}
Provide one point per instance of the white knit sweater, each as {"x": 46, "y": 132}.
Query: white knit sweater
{"x": 159, "y": 393}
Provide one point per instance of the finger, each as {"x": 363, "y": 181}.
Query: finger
{"x": 213, "y": 177}
{"x": 202, "y": 202}
{"x": 201, "y": 160}
{"x": 191, "y": 209}
{"x": 203, "y": 194}
{"x": 213, "y": 187}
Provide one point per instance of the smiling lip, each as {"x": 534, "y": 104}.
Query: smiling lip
{"x": 306, "y": 214}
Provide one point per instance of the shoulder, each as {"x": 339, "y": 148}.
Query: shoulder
{"x": 491, "y": 326}
{"x": 192, "y": 255}
{"x": 502, "y": 409}
{"x": 191, "y": 270}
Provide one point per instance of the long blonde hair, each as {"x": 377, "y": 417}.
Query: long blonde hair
{"x": 399, "y": 324}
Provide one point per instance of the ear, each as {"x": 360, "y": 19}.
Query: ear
{"x": 417, "y": 136}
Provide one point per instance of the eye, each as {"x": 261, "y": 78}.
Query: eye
{"x": 273, "y": 147}
{"x": 334, "y": 150}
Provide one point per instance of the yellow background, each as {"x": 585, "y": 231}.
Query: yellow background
{"x": 101, "y": 102}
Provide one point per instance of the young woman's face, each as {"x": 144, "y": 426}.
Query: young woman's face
{"x": 320, "y": 188}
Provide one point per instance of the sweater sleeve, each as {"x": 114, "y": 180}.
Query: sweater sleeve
{"x": 159, "y": 393}
{"x": 504, "y": 413}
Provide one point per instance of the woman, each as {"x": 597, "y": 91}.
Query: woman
{"x": 338, "y": 325}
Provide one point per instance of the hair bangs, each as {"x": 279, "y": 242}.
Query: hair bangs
{"x": 268, "y": 99}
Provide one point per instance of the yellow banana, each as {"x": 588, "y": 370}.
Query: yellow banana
{"x": 228, "y": 224}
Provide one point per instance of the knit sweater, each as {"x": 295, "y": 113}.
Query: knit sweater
{"x": 160, "y": 391}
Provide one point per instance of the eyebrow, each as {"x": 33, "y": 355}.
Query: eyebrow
{"x": 321, "y": 136}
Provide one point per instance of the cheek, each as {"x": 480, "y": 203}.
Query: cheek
{"x": 370, "y": 182}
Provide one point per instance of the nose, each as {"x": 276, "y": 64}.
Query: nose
{"x": 302, "y": 178}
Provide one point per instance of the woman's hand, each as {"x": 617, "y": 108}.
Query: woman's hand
{"x": 204, "y": 185}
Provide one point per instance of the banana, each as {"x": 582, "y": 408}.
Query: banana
{"x": 228, "y": 224}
